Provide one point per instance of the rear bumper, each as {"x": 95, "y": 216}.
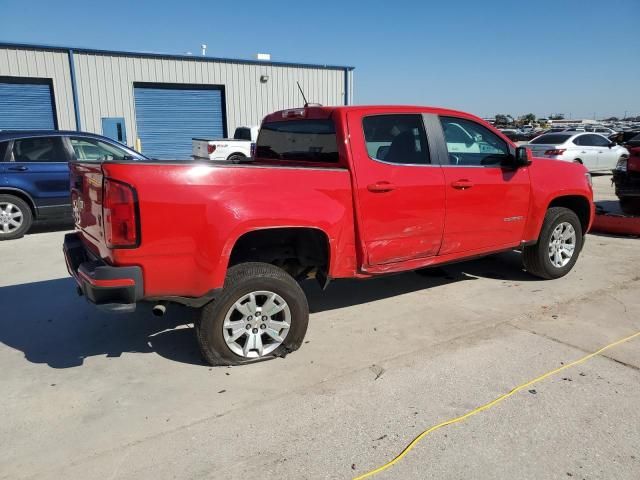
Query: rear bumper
{"x": 627, "y": 183}
{"x": 110, "y": 288}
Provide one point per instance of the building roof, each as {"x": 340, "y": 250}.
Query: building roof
{"x": 172, "y": 56}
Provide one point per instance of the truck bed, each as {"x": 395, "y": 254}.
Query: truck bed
{"x": 191, "y": 213}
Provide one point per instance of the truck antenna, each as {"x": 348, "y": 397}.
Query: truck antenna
{"x": 302, "y": 93}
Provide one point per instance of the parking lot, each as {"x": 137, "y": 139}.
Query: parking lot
{"x": 94, "y": 395}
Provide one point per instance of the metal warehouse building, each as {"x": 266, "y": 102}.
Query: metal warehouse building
{"x": 160, "y": 100}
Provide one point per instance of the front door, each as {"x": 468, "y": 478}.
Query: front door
{"x": 607, "y": 156}
{"x": 487, "y": 203}
{"x": 399, "y": 191}
{"x": 38, "y": 166}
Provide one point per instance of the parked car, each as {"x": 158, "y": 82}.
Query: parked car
{"x": 34, "y": 174}
{"x": 234, "y": 149}
{"x": 594, "y": 151}
{"x": 317, "y": 202}
{"x": 512, "y": 134}
{"x": 623, "y": 137}
{"x": 626, "y": 177}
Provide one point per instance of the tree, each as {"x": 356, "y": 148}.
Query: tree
{"x": 557, "y": 116}
{"x": 612, "y": 119}
{"x": 527, "y": 119}
{"x": 502, "y": 119}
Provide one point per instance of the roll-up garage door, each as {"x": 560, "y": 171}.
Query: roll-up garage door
{"x": 26, "y": 106}
{"x": 169, "y": 117}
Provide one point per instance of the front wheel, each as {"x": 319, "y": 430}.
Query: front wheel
{"x": 261, "y": 313}
{"x": 558, "y": 246}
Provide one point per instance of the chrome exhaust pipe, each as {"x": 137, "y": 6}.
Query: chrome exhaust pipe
{"x": 159, "y": 309}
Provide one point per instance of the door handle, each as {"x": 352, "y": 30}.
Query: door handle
{"x": 21, "y": 168}
{"x": 380, "y": 187}
{"x": 462, "y": 184}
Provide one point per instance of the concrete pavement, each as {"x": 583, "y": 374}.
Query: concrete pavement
{"x": 92, "y": 395}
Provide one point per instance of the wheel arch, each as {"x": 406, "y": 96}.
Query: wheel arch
{"x": 579, "y": 204}
{"x": 21, "y": 194}
{"x": 300, "y": 250}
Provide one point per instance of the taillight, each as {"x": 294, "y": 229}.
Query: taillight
{"x": 211, "y": 148}
{"x": 555, "y": 151}
{"x": 119, "y": 214}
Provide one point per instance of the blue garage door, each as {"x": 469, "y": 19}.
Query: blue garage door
{"x": 26, "y": 106}
{"x": 169, "y": 117}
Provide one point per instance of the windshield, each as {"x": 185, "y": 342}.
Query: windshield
{"x": 307, "y": 140}
{"x": 551, "y": 139}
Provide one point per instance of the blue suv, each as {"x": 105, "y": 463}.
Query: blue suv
{"x": 34, "y": 174}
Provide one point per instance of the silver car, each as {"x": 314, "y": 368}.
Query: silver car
{"x": 593, "y": 150}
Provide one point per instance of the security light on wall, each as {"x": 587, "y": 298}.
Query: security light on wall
{"x": 264, "y": 78}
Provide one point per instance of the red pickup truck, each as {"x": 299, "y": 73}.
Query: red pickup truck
{"x": 333, "y": 192}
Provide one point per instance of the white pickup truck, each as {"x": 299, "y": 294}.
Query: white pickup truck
{"x": 233, "y": 149}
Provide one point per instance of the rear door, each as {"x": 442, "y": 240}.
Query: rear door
{"x": 38, "y": 165}
{"x": 486, "y": 202}
{"x": 3, "y": 152}
{"x": 587, "y": 151}
{"x": 399, "y": 188}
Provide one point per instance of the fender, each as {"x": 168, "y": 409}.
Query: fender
{"x": 550, "y": 183}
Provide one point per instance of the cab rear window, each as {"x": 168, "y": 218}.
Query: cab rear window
{"x": 298, "y": 140}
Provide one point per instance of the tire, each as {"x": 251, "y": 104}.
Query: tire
{"x": 236, "y": 158}
{"x": 263, "y": 280}
{"x": 15, "y": 217}
{"x": 537, "y": 258}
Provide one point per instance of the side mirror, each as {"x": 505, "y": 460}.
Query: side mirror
{"x": 523, "y": 157}
{"x": 612, "y": 144}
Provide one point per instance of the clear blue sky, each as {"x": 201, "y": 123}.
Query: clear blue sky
{"x": 486, "y": 57}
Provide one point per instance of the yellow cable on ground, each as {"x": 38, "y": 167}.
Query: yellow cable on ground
{"x": 486, "y": 406}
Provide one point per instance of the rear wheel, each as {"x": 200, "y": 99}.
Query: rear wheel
{"x": 261, "y": 313}
{"x": 558, "y": 246}
{"x": 15, "y": 217}
{"x": 236, "y": 158}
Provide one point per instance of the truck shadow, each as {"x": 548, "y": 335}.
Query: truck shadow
{"x": 344, "y": 293}
{"x": 51, "y": 325}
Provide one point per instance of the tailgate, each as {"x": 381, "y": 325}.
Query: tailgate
{"x": 200, "y": 148}
{"x": 86, "y": 200}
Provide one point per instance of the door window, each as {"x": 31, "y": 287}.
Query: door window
{"x": 598, "y": 141}
{"x": 41, "y": 149}
{"x": 91, "y": 150}
{"x": 591, "y": 140}
{"x": 3, "y": 150}
{"x": 399, "y": 139}
{"x": 471, "y": 144}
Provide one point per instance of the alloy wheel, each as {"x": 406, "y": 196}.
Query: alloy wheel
{"x": 11, "y": 218}
{"x": 562, "y": 244}
{"x": 257, "y": 324}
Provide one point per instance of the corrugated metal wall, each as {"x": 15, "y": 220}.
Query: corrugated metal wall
{"x": 32, "y": 63}
{"x": 105, "y": 86}
{"x": 105, "y": 83}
